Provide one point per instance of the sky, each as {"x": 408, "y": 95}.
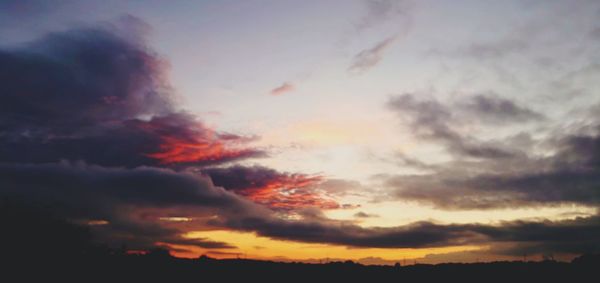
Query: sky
{"x": 372, "y": 130}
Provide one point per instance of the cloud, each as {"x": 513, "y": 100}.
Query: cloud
{"x": 497, "y": 110}
{"x": 380, "y": 11}
{"x": 369, "y": 58}
{"x": 343, "y": 187}
{"x": 501, "y": 173}
{"x": 488, "y": 191}
{"x": 187, "y": 141}
{"x": 361, "y": 214}
{"x": 277, "y": 190}
{"x": 497, "y": 49}
{"x": 130, "y": 201}
{"x": 93, "y": 95}
{"x": 431, "y": 120}
{"x": 420, "y": 234}
{"x": 284, "y": 88}
{"x": 568, "y": 173}
{"x": 570, "y": 236}
{"x": 568, "y": 233}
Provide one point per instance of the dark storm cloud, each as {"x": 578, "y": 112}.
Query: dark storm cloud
{"x": 141, "y": 186}
{"x": 575, "y": 236}
{"x": 429, "y": 119}
{"x": 581, "y": 232}
{"x": 132, "y": 201}
{"x": 93, "y": 95}
{"x": 420, "y": 234}
{"x": 80, "y": 78}
{"x": 576, "y": 230}
{"x": 239, "y": 178}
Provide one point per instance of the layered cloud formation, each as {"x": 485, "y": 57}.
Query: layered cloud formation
{"x": 91, "y": 95}
{"x": 89, "y": 124}
{"x": 500, "y": 173}
{"x": 271, "y": 188}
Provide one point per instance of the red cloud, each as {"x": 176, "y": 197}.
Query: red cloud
{"x": 290, "y": 192}
{"x": 277, "y": 190}
{"x": 185, "y": 140}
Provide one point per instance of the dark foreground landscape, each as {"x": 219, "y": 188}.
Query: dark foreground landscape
{"x": 39, "y": 247}
{"x": 159, "y": 266}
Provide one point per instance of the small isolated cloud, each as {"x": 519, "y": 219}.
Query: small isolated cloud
{"x": 283, "y": 88}
{"x": 362, "y": 214}
{"x": 369, "y": 58}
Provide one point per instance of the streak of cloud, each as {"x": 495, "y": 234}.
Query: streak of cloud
{"x": 369, "y": 58}
{"x": 282, "y": 89}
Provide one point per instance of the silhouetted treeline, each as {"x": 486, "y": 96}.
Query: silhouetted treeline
{"x": 39, "y": 246}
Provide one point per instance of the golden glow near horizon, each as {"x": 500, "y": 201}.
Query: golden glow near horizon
{"x": 250, "y": 245}
{"x": 384, "y": 214}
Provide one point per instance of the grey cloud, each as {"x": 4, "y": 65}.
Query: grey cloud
{"x": 497, "y": 49}
{"x": 94, "y": 95}
{"x": 130, "y": 200}
{"x": 509, "y": 175}
{"x": 342, "y": 187}
{"x": 420, "y": 234}
{"x": 380, "y": 11}
{"x": 578, "y": 233}
{"x": 595, "y": 33}
{"x": 571, "y": 175}
{"x": 429, "y": 119}
{"x": 369, "y": 58}
{"x": 362, "y": 214}
{"x": 497, "y": 110}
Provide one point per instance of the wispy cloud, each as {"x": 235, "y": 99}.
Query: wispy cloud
{"x": 283, "y": 88}
{"x": 277, "y": 190}
{"x": 369, "y": 58}
{"x": 380, "y": 11}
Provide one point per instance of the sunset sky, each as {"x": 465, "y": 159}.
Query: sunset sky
{"x": 379, "y": 131}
